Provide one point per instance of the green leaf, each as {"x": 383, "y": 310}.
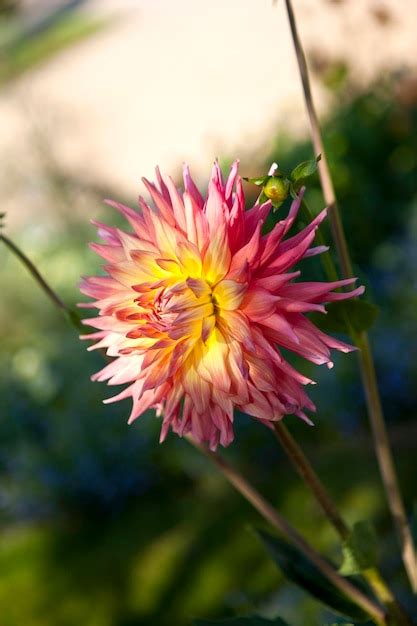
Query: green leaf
{"x": 301, "y": 571}
{"x": 260, "y": 182}
{"x": 276, "y": 204}
{"x": 262, "y": 198}
{"x": 345, "y": 314}
{"x": 242, "y": 621}
{"x": 293, "y": 191}
{"x": 360, "y": 550}
{"x": 303, "y": 171}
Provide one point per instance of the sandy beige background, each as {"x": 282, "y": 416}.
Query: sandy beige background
{"x": 185, "y": 80}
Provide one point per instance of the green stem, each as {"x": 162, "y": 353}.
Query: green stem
{"x": 385, "y": 458}
{"x": 329, "y": 267}
{"x": 269, "y": 513}
{"x": 308, "y": 474}
{"x": 325, "y": 258}
{"x": 313, "y": 482}
{"x": 379, "y": 430}
{"x": 71, "y": 315}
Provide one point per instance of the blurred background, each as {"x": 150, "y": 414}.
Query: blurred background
{"x": 100, "y": 525}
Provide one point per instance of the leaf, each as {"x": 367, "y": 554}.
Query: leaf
{"x": 242, "y": 621}
{"x": 276, "y": 204}
{"x": 262, "y": 198}
{"x": 360, "y": 550}
{"x": 303, "y": 171}
{"x": 260, "y": 182}
{"x": 294, "y": 191}
{"x": 301, "y": 571}
{"x": 345, "y": 314}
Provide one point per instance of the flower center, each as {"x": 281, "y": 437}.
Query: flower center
{"x": 187, "y": 309}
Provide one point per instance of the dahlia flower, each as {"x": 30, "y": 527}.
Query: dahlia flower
{"x": 197, "y": 303}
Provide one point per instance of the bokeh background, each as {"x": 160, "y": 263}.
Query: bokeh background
{"x": 99, "y": 525}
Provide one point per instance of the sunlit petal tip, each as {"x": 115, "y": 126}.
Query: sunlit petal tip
{"x": 131, "y": 419}
{"x": 305, "y": 418}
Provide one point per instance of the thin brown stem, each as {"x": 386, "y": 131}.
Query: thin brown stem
{"x": 269, "y": 513}
{"x": 304, "y": 468}
{"x": 323, "y": 166}
{"x": 379, "y": 430}
{"x": 385, "y": 459}
{"x": 308, "y": 474}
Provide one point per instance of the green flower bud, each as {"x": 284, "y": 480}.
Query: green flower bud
{"x": 277, "y": 189}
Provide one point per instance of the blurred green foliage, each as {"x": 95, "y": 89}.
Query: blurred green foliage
{"x": 100, "y": 525}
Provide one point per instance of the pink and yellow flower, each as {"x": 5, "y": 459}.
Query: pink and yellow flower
{"x": 197, "y": 303}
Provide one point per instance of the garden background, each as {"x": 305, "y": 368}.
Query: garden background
{"x": 100, "y": 525}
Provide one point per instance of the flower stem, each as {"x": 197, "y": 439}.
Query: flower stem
{"x": 269, "y": 513}
{"x": 55, "y": 299}
{"x": 379, "y": 430}
{"x": 385, "y": 459}
{"x": 310, "y": 477}
{"x": 308, "y": 474}
{"x": 325, "y": 258}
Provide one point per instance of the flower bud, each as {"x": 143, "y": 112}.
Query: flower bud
{"x": 277, "y": 189}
